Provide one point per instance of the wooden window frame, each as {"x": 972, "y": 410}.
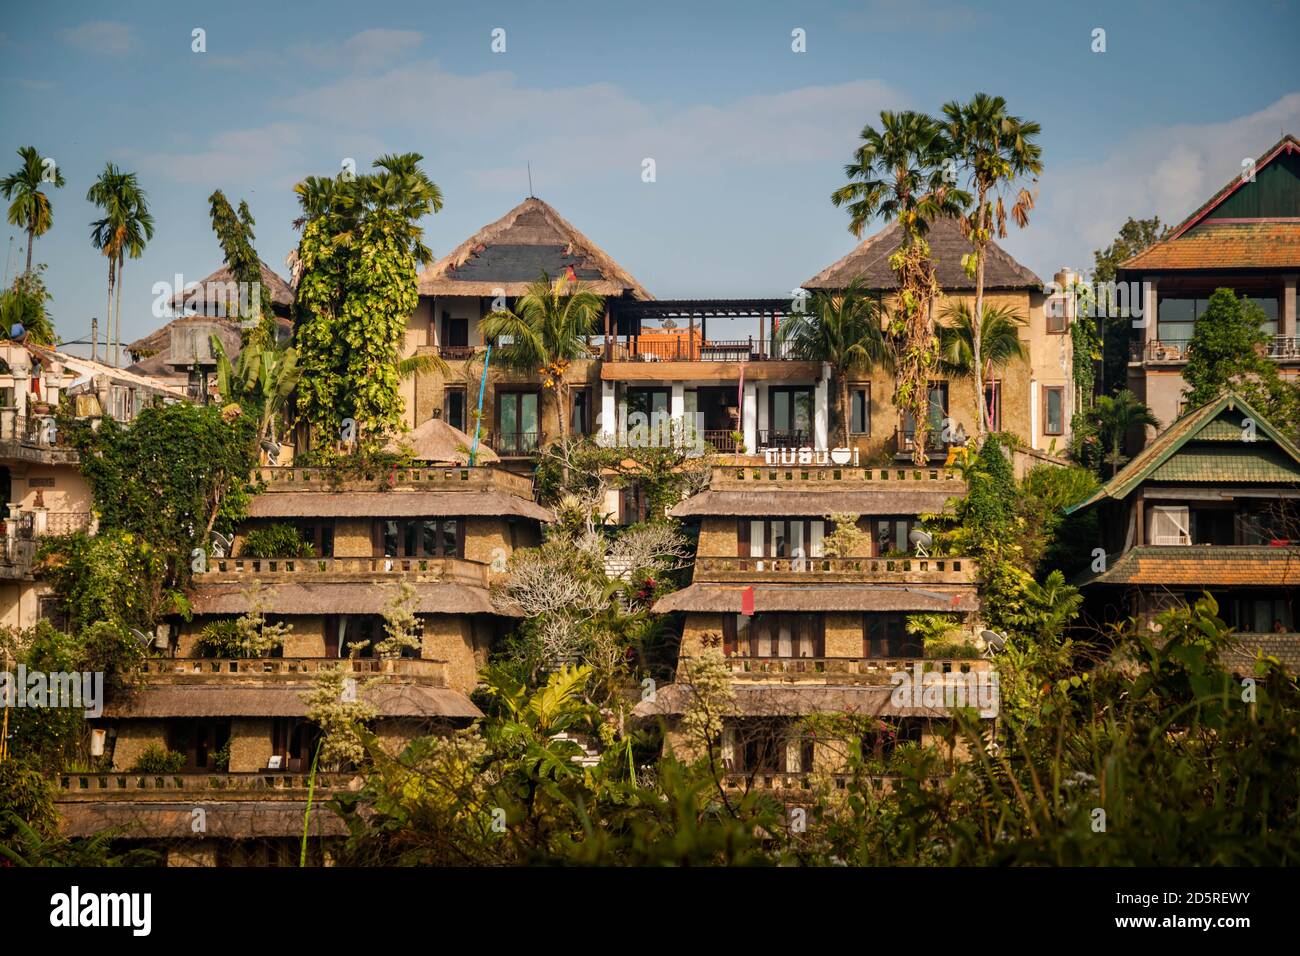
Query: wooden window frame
{"x": 866, "y": 407}
{"x": 1047, "y": 430}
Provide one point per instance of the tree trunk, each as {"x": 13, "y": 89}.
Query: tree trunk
{"x": 117, "y": 317}
{"x": 977, "y": 320}
{"x": 108, "y": 311}
{"x": 844, "y": 407}
{"x": 31, "y": 238}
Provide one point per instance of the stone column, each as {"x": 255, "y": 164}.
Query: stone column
{"x": 1150, "y": 310}
{"x": 749, "y": 418}
{"x": 608, "y": 412}
{"x": 821, "y": 409}
{"x": 1286, "y": 324}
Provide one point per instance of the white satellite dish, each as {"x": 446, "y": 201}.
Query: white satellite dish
{"x": 221, "y": 544}
{"x": 922, "y": 541}
{"x": 142, "y": 637}
{"x": 993, "y": 641}
{"x": 272, "y": 449}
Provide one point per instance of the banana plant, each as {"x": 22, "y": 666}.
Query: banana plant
{"x": 261, "y": 377}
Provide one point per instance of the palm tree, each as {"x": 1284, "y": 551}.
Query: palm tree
{"x": 959, "y": 338}
{"x": 125, "y": 229}
{"x": 899, "y": 173}
{"x": 842, "y": 329}
{"x": 548, "y": 329}
{"x": 31, "y": 208}
{"x": 1114, "y": 415}
{"x": 997, "y": 150}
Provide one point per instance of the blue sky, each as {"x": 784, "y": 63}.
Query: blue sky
{"x": 748, "y": 137}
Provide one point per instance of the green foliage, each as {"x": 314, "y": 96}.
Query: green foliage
{"x": 114, "y": 576}
{"x": 158, "y": 759}
{"x": 27, "y": 796}
{"x": 24, "y": 303}
{"x": 276, "y": 541}
{"x": 1051, "y": 538}
{"x": 360, "y": 248}
{"x": 1227, "y": 354}
{"x": 1110, "y": 420}
{"x": 235, "y": 233}
{"x": 1134, "y": 236}
{"x": 30, "y": 206}
{"x": 260, "y": 382}
{"x": 248, "y": 636}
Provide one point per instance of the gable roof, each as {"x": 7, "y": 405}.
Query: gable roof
{"x": 870, "y": 263}
{"x": 1204, "y": 425}
{"x": 512, "y": 252}
{"x": 1202, "y": 242}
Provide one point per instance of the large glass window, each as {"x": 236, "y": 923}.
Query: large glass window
{"x": 518, "y": 423}
{"x": 422, "y": 537}
{"x": 1177, "y": 315}
{"x": 891, "y": 534}
{"x": 938, "y": 411}
{"x": 790, "y": 415}
{"x": 453, "y": 407}
{"x": 885, "y": 635}
{"x": 773, "y": 635}
{"x": 1053, "y": 410}
{"x": 781, "y": 537}
{"x": 860, "y": 410}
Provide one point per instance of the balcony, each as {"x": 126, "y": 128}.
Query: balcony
{"x": 513, "y": 444}
{"x": 784, "y": 438}
{"x": 1280, "y": 348}
{"x": 822, "y": 570}
{"x": 935, "y": 445}
{"x": 802, "y": 478}
{"x": 290, "y": 479}
{"x": 289, "y": 670}
{"x": 683, "y": 348}
{"x": 28, "y": 438}
{"x": 846, "y": 670}
{"x": 261, "y": 785}
{"x": 325, "y": 570}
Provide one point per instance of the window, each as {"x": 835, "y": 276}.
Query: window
{"x": 580, "y": 417}
{"x": 860, "y": 409}
{"x": 790, "y": 416}
{"x": 1053, "y": 410}
{"x": 1176, "y": 315}
{"x": 1056, "y": 309}
{"x": 993, "y": 404}
{"x": 455, "y": 332}
{"x": 50, "y": 608}
{"x": 453, "y": 407}
{"x": 780, "y": 537}
{"x": 199, "y": 741}
{"x": 766, "y": 745}
{"x": 938, "y": 411}
{"x": 885, "y": 635}
{"x": 518, "y": 423}
{"x": 1169, "y": 525}
{"x": 421, "y": 537}
{"x": 648, "y": 401}
{"x": 891, "y": 534}
{"x": 773, "y": 635}
{"x": 320, "y": 535}
{"x": 880, "y": 743}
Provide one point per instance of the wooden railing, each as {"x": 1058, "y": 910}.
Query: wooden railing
{"x": 684, "y": 348}
{"x": 121, "y": 785}
{"x": 294, "y": 667}
{"x": 430, "y": 479}
{"x": 748, "y": 476}
{"x": 439, "y": 569}
{"x": 950, "y": 570}
{"x": 1282, "y": 348}
{"x": 845, "y": 666}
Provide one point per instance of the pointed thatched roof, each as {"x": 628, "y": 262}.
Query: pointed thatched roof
{"x": 512, "y": 252}
{"x": 281, "y": 293}
{"x": 437, "y": 442}
{"x": 869, "y": 262}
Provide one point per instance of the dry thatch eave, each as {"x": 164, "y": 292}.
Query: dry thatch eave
{"x": 436, "y": 442}
{"x": 817, "y": 503}
{"x": 727, "y": 598}
{"x": 394, "y": 504}
{"x": 390, "y": 699}
{"x": 772, "y": 701}
{"x": 298, "y": 599}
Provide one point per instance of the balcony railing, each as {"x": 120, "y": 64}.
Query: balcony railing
{"x": 831, "y": 478}
{"x": 784, "y": 438}
{"x": 456, "y": 353}
{"x": 429, "y": 569}
{"x": 722, "y": 439}
{"x": 430, "y": 479}
{"x": 905, "y": 441}
{"x": 872, "y": 667}
{"x": 291, "y": 668}
{"x": 1281, "y": 348}
{"x": 514, "y": 444}
{"x": 126, "y": 786}
{"x": 35, "y": 523}
{"x": 660, "y": 348}
{"x": 947, "y": 570}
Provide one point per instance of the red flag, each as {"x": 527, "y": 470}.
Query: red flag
{"x": 747, "y": 601}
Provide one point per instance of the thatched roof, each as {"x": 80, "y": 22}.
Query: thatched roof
{"x": 229, "y": 818}
{"x": 816, "y": 597}
{"x": 437, "y": 442}
{"x": 281, "y": 293}
{"x": 512, "y": 252}
{"x": 870, "y": 263}
{"x": 391, "y": 699}
{"x": 818, "y": 503}
{"x": 298, "y": 598}
{"x": 777, "y": 701}
{"x": 393, "y": 504}
{"x": 152, "y": 353}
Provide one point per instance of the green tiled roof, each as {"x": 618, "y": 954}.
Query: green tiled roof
{"x": 1220, "y": 417}
{"x": 1264, "y": 465}
{"x": 1201, "y": 565}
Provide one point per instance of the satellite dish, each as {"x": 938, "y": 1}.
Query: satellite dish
{"x": 272, "y": 449}
{"x": 221, "y": 544}
{"x": 922, "y": 541}
{"x": 993, "y": 640}
{"x": 142, "y": 637}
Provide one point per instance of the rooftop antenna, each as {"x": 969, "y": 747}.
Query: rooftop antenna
{"x": 530, "y": 184}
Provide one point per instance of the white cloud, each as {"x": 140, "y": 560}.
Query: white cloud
{"x": 363, "y": 52}
{"x": 1166, "y": 171}
{"x": 102, "y": 36}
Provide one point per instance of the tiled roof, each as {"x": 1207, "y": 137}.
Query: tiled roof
{"x": 1225, "y": 245}
{"x": 1242, "y": 655}
{"x": 1265, "y": 464}
{"x": 1203, "y": 566}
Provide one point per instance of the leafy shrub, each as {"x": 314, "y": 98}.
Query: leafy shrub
{"x": 276, "y": 541}
{"x": 158, "y": 759}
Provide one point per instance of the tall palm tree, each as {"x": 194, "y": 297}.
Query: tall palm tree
{"x": 31, "y": 207}
{"x": 548, "y": 329}
{"x": 898, "y": 173}
{"x": 998, "y": 151}
{"x": 844, "y": 330}
{"x": 998, "y": 331}
{"x": 1114, "y": 415}
{"x": 124, "y": 231}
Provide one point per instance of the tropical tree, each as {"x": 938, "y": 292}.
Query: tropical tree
{"x": 844, "y": 330}
{"x": 23, "y": 304}
{"x": 360, "y": 248}
{"x": 123, "y": 231}
{"x": 899, "y": 172}
{"x": 262, "y": 378}
{"x": 235, "y": 234}
{"x": 30, "y": 207}
{"x": 1113, "y": 416}
{"x": 548, "y": 329}
{"x": 961, "y": 339}
{"x": 998, "y": 151}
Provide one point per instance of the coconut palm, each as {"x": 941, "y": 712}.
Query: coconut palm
{"x": 900, "y": 172}
{"x": 997, "y": 150}
{"x": 842, "y": 329}
{"x": 1114, "y": 415}
{"x": 548, "y": 329}
{"x": 999, "y": 333}
{"x": 124, "y": 231}
{"x": 30, "y": 206}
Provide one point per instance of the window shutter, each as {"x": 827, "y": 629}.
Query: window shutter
{"x": 742, "y": 538}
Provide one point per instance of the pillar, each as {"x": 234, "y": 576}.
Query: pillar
{"x": 608, "y": 412}
{"x": 821, "y": 409}
{"x": 749, "y": 417}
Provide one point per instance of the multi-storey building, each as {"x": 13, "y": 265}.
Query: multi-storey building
{"x": 1032, "y": 398}
{"x": 1245, "y": 237}
{"x": 439, "y": 532}
{"x": 1212, "y": 505}
{"x": 805, "y": 632}
{"x": 43, "y": 491}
